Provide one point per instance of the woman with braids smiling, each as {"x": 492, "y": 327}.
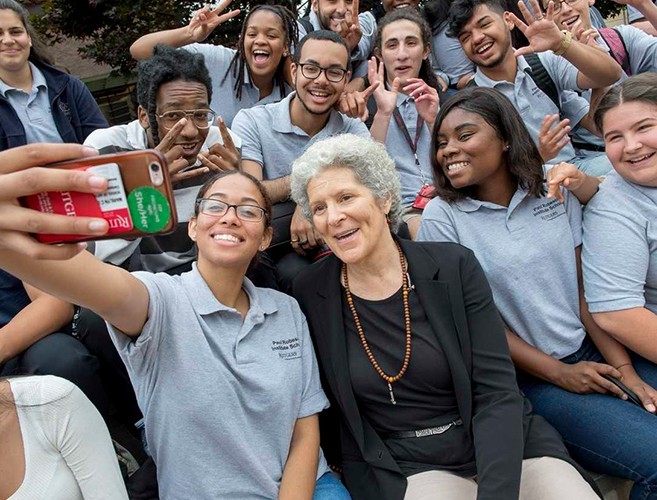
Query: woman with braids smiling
{"x": 252, "y": 74}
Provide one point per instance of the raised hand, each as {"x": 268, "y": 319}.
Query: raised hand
{"x": 22, "y": 174}
{"x": 350, "y": 29}
{"x": 566, "y": 175}
{"x": 426, "y": 99}
{"x": 541, "y": 31}
{"x": 587, "y": 37}
{"x": 552, "y": 137}
{"x": 302, "y": 234}
{"x": 354, "y": 104}
{"x": 386, "y": 100}
{"x": 221, "y": 156}
{"x": 174, "y": 155}
{"x": 205, "y": 20}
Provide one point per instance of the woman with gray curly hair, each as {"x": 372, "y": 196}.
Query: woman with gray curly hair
{"x": 411, "y": 345}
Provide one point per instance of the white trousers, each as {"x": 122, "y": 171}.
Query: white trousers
{"x": 543, "y": 478}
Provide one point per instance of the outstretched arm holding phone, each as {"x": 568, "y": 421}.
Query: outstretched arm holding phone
{"x": 77, "y": 277}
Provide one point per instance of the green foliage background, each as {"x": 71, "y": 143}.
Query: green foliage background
{"x": 107, "y": 28}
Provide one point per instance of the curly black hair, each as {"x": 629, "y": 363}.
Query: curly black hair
{"x": 412, "y": 15}
{"x": 238, "y": 63}
{"x": 167, "y": 65}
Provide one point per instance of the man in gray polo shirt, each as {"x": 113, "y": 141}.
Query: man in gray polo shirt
{"x": 275, "y": 135}
{"x": 484, "y": 30}
{"x": 342, "y": 17}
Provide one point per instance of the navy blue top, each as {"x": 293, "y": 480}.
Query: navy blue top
{"x": 13, "y": 297}
{"x": 74, "y": 110}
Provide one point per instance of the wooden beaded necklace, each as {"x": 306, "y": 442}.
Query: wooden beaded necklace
{"x": 407, "y": 323}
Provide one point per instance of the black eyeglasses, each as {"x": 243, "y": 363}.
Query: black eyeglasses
{"x": 202, "y": 118}
{"x": 557, "y": 4}
{"x": 312, "y": 72}
{"x": 218, "y": 208}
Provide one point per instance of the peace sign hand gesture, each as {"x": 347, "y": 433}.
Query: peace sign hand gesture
{"x": 386, "y": 100}
{"x": 541, "y": 31}
{"x": 350, "y": 29}
{"x": 205, "y": 20}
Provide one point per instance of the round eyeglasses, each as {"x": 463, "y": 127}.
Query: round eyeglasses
{"x": 557, "y": 4}
{"x": 201, "y": 118}
{"x": 218, "y": 208}
{"x": 312, "y": 72}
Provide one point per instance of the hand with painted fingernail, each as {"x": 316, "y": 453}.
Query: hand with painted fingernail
{"x": 23, "y": 173}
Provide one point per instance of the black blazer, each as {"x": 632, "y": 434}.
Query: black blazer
{"x": 458, "y": 303}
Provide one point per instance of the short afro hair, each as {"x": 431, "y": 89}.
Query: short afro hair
{"x": 168, "y": 64}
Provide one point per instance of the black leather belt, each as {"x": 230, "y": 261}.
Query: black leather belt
{"x": 431, "y": 431}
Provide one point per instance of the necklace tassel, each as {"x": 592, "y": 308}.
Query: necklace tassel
{"x": 392, "y": 394}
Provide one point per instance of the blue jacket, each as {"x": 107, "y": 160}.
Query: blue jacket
{"x": 74, "y": 110}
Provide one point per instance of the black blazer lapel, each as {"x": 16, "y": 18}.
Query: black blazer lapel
{"x": 434, "y": 297}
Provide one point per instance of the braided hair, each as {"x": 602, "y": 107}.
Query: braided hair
{"x": 168, "y": 64}
{"x": 238, "y": 63}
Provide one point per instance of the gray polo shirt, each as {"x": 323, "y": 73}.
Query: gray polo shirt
{"x": 224, "y": 101}
{"x": 33, "y": 109}
{"x": 633, "y": 14}
{"x": 270, "y": 139}
{"x": 530, "y": 101}
{"x": 220, "y": 397}
{"x": 447, "y": 57}
{"x": 528, "y": 254}
{"x": 411, "y": 176}
{"x": 365, "y": 45}
{"x": 619, "y": 258}
{"x": 641, "y": 48}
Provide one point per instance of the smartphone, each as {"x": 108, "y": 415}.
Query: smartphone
{"x": 631, "y": 395}
{"x": 138, "y": 201}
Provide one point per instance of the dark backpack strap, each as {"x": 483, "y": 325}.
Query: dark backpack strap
{"x": 617, "y": 47}
{"x": 471, "y": 83}
{"x": 307, "y": 25}
{"x": 542, "y": 79}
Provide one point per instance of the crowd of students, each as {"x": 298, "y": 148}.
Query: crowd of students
{"x": 416, "y": 258}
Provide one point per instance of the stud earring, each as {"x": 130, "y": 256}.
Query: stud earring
{"x": 507, "y": 147}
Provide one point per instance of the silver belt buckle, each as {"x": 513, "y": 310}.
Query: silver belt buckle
{"x": 432, "y": 431}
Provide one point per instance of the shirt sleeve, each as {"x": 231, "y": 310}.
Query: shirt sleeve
{"x": 615, "y": 260}
{"x": 561, "y": 71}
{"x": 573, "y": 106}
{"x": 313, "y": 399}
{"x": 574, "y": 212}
{"x": 366, "y": 43}
{"x": 217, "y": 57}
{"x": 246, "y": 127}
{"x": 437, "y": 223}
{"x": 82, "y": 438}
{"x": 357, "y": 127}
{"x": 633, "y": 14}
{"x": 91, "y": 118}
{"x": 641, "y": 48}
{"x": 140, "y": 355}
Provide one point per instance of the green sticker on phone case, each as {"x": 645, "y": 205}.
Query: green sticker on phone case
{"x": 149, "y": 209}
